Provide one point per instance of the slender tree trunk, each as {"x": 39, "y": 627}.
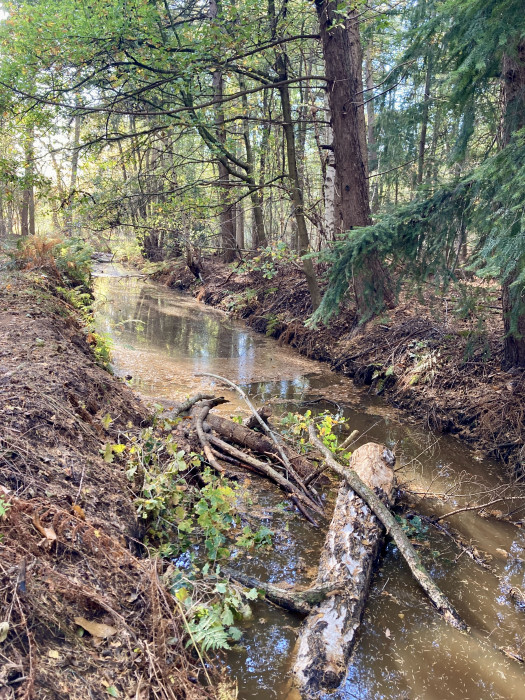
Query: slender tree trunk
{"x": 256, "y": 194}
{"x": 297, "y": 192}
{"x": 239, "y": 228}
{"x": 513, "y": 301}
{"x": 260, "y": 239}
{"x": 329, "y": 180}
{"x": 341, "y": 50}
{"x": 27, "y": 211}
{"x": 3, "y": 226}
{"x": 303, "y": 239}
{"x": 432, "y": 162}
{"x": 371, "y": 119}
{"x": 227, "y": 211}
{"x": 74, "y": 173}
{"x": 424, "y": 120}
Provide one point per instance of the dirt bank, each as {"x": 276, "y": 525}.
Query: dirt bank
{"x": 433, "y": 356}
{"x": 81, "y": 614}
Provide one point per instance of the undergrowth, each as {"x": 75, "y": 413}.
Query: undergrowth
{"x": 191, "y": 521}
{"x": 67, "y": 259}
{"x": 68, "y": 262}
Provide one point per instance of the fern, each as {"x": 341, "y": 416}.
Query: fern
{"x": 210, "y": 633}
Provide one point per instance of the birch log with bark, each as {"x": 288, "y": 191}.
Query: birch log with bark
{"x": 351, "y": 547}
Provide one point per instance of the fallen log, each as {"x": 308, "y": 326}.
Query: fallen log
{"x": 256, "y": 442}
{"x": 359, "y": 484}
{"x": 266, "y": 470}
{"x": 351, "y": 547}
{"x": 293, "y": 599}
{"x": 266, "y": 428}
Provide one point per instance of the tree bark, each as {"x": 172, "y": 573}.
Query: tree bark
{"x": 341, "y": 51}
{"x": 513, "y": 303}
{"x": 351, "y": 547}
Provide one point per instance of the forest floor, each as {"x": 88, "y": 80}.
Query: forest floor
{"x": 82, "y": 613}
{"x": 436, "y": 356}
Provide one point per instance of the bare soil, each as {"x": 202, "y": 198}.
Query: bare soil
{"x": 70, "y": 550}
{"x": 431, "y": 355}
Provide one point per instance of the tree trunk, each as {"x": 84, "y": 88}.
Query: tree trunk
{"x": 227, "y": 212}
{"x": 27, "y": 211}
{"x": 351, "y": 547}
{"x": 3, "y": 226}
{"x": 341, "y": 51}
{"x": 513, "y": 303}
{"x": 239, "y": 228}
{"x": 74, "y": 172}
{"x": 330, "y": 182}
{"x": 303, "y": 239}
{"x": 370, "y": 113}
{"x": 371, "y": 117}
{"x": 424, "y": 120}
{"x": 256, "y": 196}
{"x": 297, "y": 192}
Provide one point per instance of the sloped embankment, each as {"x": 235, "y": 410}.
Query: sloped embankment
{"x": 81, "y": 614}
{"x": 444, "y": 370}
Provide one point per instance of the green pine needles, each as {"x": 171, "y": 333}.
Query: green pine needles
{"x": 423, "y": 238}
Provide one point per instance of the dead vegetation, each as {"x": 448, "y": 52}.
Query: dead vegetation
{"x": 81, "y": 615}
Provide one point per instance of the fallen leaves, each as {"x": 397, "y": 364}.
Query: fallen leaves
{"x": 96, "y": 629}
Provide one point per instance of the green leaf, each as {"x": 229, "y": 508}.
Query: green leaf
{"x": 111, "y": 690}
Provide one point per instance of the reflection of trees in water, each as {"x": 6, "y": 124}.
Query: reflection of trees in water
{"x": 190, "y": 332}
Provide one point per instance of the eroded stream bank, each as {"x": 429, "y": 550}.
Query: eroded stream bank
{"x": 162, "y": 339}
{"x": 82, "y": 613}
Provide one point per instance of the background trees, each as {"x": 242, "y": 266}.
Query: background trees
{"x": 228, "y": 125}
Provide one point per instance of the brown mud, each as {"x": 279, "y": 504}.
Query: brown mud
{"x": 422, "y": 357}
{"x": 83, "y": 615}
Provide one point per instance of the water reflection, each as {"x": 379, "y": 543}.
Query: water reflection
{"x": 405, "y": 650}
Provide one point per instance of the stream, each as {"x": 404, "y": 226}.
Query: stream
{"x": 163, "y": 339}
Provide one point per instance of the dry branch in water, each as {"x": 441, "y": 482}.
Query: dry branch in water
{"x": 394, "y": 530}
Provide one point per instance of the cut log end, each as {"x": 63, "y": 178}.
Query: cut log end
{"x": 374, "y": 464}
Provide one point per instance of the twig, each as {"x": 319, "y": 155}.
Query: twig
{"x": 349, "y": 440}
{"x": 267, "y": 470}
{"x": 480, "y": 507}
{"x": 266, "y": 428}
{"x": 384, "y": 515}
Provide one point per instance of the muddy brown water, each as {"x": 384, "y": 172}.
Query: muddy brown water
{"x": 162, "y": 339}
